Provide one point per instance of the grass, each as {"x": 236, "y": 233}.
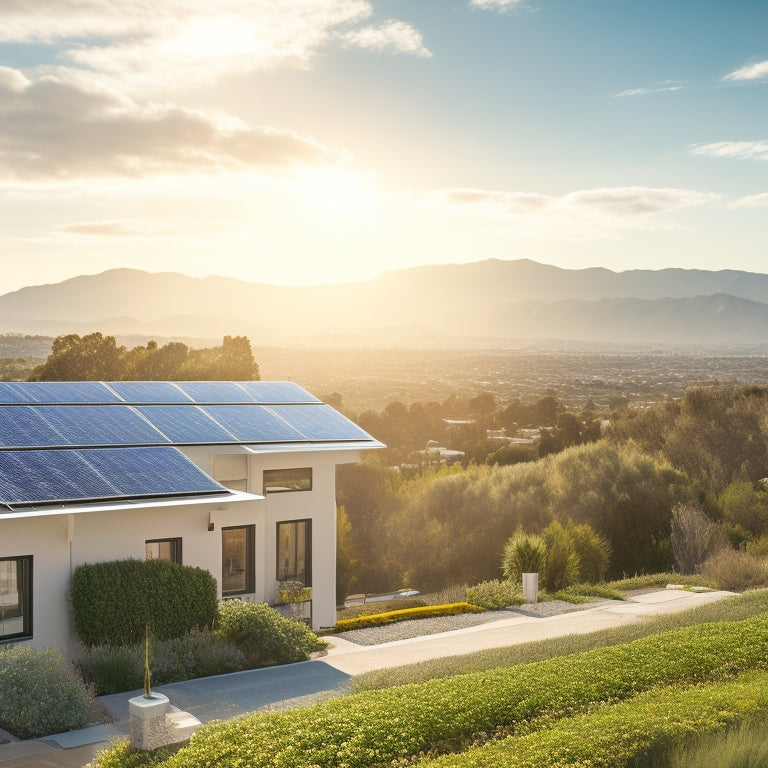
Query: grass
{"x": 659, "y": 581}
{"x": 729, "y": 609}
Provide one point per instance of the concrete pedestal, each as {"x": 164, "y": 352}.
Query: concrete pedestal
{"x": 149, "y": 728}
{"x": 531, "y": 587}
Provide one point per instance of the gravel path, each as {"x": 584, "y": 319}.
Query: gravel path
{"x": 405, "y": 630}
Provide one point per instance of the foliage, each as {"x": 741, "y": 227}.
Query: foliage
{"x": 593, "y": 550}
{"x": 736, "y": 570}
{"x": 346, "y": 559}
{"x": 200, "y": 653}
{"x": 562, "y": 558}
{"x": 122, "y": 755}
{"x": 406, "y": 614}
{"x": 655, "y": 580}
{"x": 730, "y": 609}
{"x": 380, "y": 726}
{"x": 694, "y": 537}
{"x": 95, "y": 357}
{"x": 494, "y": 595}
{"x": 264, "y": 636}
{"x": 524, "y": 553}
{"x": 746, "y": 505}
{"x": 40, "y": 693}
{"x": 112, "y": 602}
{"x": 592, "y": 590}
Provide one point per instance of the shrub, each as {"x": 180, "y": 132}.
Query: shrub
{"x": 759, "y": 547}
{"x": 40, "y": 693}
{"x": 264, "y": 636}
{"x": 495, "y": 595}
{"x": 694, "y": 537}
{"x": 524, "y": 553}
{"x": 112, "y": 602}
{"x": 113, "y": 669}
{"x": 406, "y": 614}
{"x": 122, "y": 755}
{"x": 593, "y": 551}
{"x": 735, "y": 570}
{"x": 562, "y": 559}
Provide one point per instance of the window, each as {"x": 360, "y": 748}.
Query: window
{"x": 164, "y": 549}
{"x": 15, "y": 597}
{"x": 285, "y": 480}
{"x": 238, "y": 562}
{"x": 294, "y": 552}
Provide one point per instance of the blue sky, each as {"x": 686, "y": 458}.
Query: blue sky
{"x": 306, "y": 141}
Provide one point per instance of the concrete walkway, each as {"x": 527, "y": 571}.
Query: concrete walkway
{"x": 227, "y": 696}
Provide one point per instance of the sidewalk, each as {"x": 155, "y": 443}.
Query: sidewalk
{"x": 294, "y": 685}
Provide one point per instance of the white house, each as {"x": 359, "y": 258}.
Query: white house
{"x": 234, "y": 477}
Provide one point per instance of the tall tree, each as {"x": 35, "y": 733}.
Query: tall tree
{"x": 89, "y": 358}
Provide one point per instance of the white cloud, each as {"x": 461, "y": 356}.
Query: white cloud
{"x": 53, "y": 129}
{"x": 751, "y": 201}
{"x": 393, "y": 35}
{"x": 664, "y": 87}
{"x": 756, "y": 71}
{"x": 496, "y": 5}
{"x": 585, "y": 213}
{"x": 741, "y": 150}
{"x": 128, "y": 229}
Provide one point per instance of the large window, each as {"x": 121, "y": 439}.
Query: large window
{"x": 286, "y": 480}
{"x": 15, "y": 597}
{"x": 294, "y": 552}
{"x": 238, "y": 562}
{"x": 163, "y": 549}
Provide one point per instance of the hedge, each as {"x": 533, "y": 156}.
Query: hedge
{"x": 405, "y": 614}
{"x": 112, "y": 602}
{"x": 382, "y": 726}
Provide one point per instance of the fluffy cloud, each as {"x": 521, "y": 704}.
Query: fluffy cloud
{"x": 53, "y": 129}
{"x": 751, "y": 201}
{"x": 157, "y": 43}
{"x": 757, "y": 71}
{"x": 741, "y": 150}
{"x": 580, "y": 214}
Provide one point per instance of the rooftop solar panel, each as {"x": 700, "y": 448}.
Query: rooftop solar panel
{"x": 56, "y": 392}
{"x": 277, "y": 392}
{"x": 185, "y": 425}
{"x": 320, "y": 422}
{"x": 215, "y": 392}
{"x": 253, "y": 424}
{"x": 69, "y": 475}
{"x": 106, "y": 425}
{"x": 149, "y": 392}
{"x": 23, "y": 426}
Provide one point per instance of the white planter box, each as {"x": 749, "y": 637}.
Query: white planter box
{"x": 148, "y": 725}
{"x": 530, "y": 587}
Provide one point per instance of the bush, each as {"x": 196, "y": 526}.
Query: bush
{"x": 562, "y": 558}
{"x": 406, "y": 614}
{"x": 736, "y": 570}
{"x": 524, "y": 553}
{"x": 113, "y": 602}
{"x": 593, "y": 551}
{"x": 694, "y": 537}
{"x": 264, "y": 636}
{"x": 113, "y": 669}
{"x": 495, "y": 595}
{"x": 40, "y": 693}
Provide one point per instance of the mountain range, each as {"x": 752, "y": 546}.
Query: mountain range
{"x": 493, "y": 300}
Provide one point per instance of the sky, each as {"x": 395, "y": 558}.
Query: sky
{"x": 299, "y": 142}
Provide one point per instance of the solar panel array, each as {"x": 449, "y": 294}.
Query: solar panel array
{"x": 65, "y": 441}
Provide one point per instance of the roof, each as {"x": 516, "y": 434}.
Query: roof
{"x": 80, "y": 442}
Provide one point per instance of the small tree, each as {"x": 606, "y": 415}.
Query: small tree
{"x": 593, "y": 550}
{"x": 524, "y": 553}
{"x": 694, "y": 537}
{"x": 562, "y": 558}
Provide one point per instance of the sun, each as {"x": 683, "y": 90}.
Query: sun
{"x": 337, "y": 191}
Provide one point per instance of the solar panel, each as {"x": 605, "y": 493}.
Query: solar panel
{"x": 185, "y": 424}
{"x": 215, "y": 391}
{"x": 320, "y": 422}
{"x": 277, "y": 392}
{"x": 99, "y": 425}
{"x": 68, "y": 475}
{"x": 56, "y": 392}
{"x": 149, "y": 392}
{"x": 23, "y": 425}
{"x": 253, "y": 424}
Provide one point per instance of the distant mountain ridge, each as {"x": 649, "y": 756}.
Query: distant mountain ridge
{"x": 519, "y": 299}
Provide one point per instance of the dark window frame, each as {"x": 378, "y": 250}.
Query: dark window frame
{"x": 268, "y": 474}
{"x": 175, "y": 540}
{"x": 280, "y": 571}
{"x": 250, "y": 560}
{"x": 24, "y": 566}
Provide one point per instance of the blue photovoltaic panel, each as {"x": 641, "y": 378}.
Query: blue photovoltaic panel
{"x": 22, "y": 426}
{"x": 277, "y": 392}
{"x": 253, "y": 423}
{"x": 149, "y": 392}
{"x": 320, "y": 422}
{"x": 215, "y": 391}
{"x": 185, "y": 424}
{"x": 99, "y": 425}
{"x": 68, "y": 475}
{"x": 56, "y": 392}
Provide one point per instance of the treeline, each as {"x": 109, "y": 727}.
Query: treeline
{"x": 440, "y": 526}
{"x": 95, "y": 357}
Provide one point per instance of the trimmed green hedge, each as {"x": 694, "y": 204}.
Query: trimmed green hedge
{"x": 382, "y": 726}
{"x": 405, "y": 614}
{"x": 113, "y": 601}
